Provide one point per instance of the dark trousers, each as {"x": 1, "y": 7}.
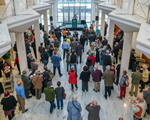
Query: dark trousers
{"x": 18, "y": 67}
{"x": 135, "y": 118}
{"x": 117, "y": 79}
{"x": 84, "y": 85}
{"x": 54, "y": 69}
{"x": 65, "y": 51}
{"x": 27, "y": 93}
{"x": 107, "y": 90}
{"x": 59, "y": 39}
{"x": 10, "y": 116}
{"x": 32, "y": 90}
{"x": 52, "y": 106}
{"x": 148, "y": 109}
{"x": 73, "y": 87}
{"x": 0, "y": 73}
{"x": 142, "y": 84}
{"x": 104, "y": 68}
{"x": 116, "y": 57}
{"x": 80, "y": 58}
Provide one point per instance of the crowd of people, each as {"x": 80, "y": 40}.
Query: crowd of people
{"x": 109, "y": 57}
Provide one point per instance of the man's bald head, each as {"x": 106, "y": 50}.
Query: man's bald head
{"x": 96, "y": 67}
{"x": 140, "y": 98}
{"x": 19, "y": 83}
{"x": 94, "y": 102}
{"x": 120, "y": 118}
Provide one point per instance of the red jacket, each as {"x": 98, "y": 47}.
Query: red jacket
{"x": 72, "y": 77}
{"x": 16, "y": 61}
{"x": 92, "y": 59}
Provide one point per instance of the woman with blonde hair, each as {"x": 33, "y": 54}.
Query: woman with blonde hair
{"x": 73, "y": 78}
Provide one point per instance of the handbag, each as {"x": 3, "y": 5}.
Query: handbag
{"x": 63, "y": 94}
{"x": 78, "y": 110}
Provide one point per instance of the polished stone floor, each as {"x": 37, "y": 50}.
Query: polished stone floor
{"x": 111, "y": 109}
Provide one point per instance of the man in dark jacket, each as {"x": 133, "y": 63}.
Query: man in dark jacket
{"x": 56, "y": 43}
{"x": 68, "y": 33}
{"x": 108, "y": 77}
{"x": 79, "y": 48}
{"x": 58, "y": 35}
{"x": 116, "y": 51}
{"x": 146, "y": 95}
{"x": 92, "y": 38}
{"x": 29, "y": 60}
{"x": 33, "y": 45}
{"x": 104, "y": 42}
{"x": 132, "y": 59}
{"x": 106, "y": 60}
{"x": 93, "y": 110}
{"x": 97, "y": 74}
{"x": 26, "y": 83}
{"x": 82, "y": 40}
{"x": 44, "y": 57}
{"x": 118, "y": 73}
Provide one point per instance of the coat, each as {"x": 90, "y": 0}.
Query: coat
{"x": 108, "y": 77}
{"x": 79, "y": 48}
{"x": 37, "y": 81}
{"x": 73, "y": 113}
{"x": 145, "y": 75}
{"x": 26, "y": 82}
{"x": 136, "y": 77}
{"x": 93, "y": 112}
{"x": 72, "y": 77}
{"x": 146, "y": 95}
{"x": 56, "y": 43}
{"x": 97, "y": 74}
{"x": 73, "y": 45}
{"x": 34, "y": 66}
{"x": 49, "y": 93}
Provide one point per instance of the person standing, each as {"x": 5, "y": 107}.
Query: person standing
{"x": 56, "y": 43}
{"x": 65, "y": 47}
{"x": 40, "y": 48}
{"x": 74, "y": 109}
{"x": 68, "y": 61}
{"x": 145, "y": 77}
{"x": 20, "y": 96}
{"x": 132, "y": 59}
{"x": 44, "y": 57}
{"x": 146, "y": 95}
{"x": 64, "y": 32}
{"x": 56, "y": 63}
{"x": 68, "y": 40}
{"x": 106, "y": 60}
{"x": 138, "y": 108}
{"x": 33, "y": 45}
{"x": 108, "y": 77}
{"x": 68, "y": 33}
{"x": 73, "y": 45}
{"x": 37, "y": 83}
{"x": 79, "y": 49}
{"x": 73, "y": 60}
{"x": 34, "y": 65}
{"x": 104, "y": 42}
{"x": 58, "y": 35}
{"x": 50, "y": 95}
{"x": 118, "y": 73}
{"x": 17, "y": 63}
{"x": 123, "y": 84}
{"x": 73, "y": 78}
{"x": 85, "y": 77}
{"x": 9, "y": 105}
{"x": 59, "y": 94}
{"x": 97, "y": 74}
{"x": 136, "y": 77}
{"x": 45, "y": 37}
{"x": 93, "y": 110}
{"x": 82, "y": 40}
{"x": 116, "y": 51}
{"x": 92, "y": 57}
{"x": 26, "y": 83}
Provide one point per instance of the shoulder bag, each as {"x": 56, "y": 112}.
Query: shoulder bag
{"x": 63, "y": 94}
{"x": 78, "y": 110}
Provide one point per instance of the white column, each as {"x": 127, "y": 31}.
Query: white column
{"x": 17, "y": 8}
{"x": 93, "y": 11}
{"x": 37, "y": 38}
{"x": 126, "y": 51}
{"x": 110, "y": 33}
{"x": 54, "y": 14}
{"x": 102, "y": 23}
{"x": 21, "y": 51}
{"x": 50, "y": 12}
{"x": 131, "y": 7}
{"x": 45, "y": 21}
{"x": 97, "y": 22}
{"x": 13, "y": 40}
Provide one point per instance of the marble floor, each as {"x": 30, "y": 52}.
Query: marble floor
{"x": 111, "y": 109}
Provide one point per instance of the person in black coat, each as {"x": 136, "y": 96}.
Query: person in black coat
{"x": 104, "y": 42}
{"x": 118, "y": 73}
{"x": 85, "y": 77}
{"x": 106, "y": 60}
{"x": 33, "y": 45}
{"x": 58, "y": 35}
{"x": 92, "y": 38}
{"x": 132, "y": 59}
{"x": 116, "y": 51}
{"x": 9, "y": 105}
{"x": 29, "y": 60}
{"x": 82, "y": 40}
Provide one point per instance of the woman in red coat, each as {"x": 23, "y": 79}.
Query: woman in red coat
{"x": 73, "y": 78}
{"x": 92, "y": 57}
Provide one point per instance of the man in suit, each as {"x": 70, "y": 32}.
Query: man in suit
{"x": 79, "y": 48}
{"x": 108, "y": 77}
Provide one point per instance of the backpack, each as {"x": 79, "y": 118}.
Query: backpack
{"x": 124, "y": 81}
{"x": 44, "y": 56}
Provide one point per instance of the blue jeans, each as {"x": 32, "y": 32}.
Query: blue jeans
{"x": 64, "y": 37}
{"x": 54, "y": 69}
{"x": 68, "y": 67}
{"x": 75, "y": 66}
{"x": 59, "y": 101}
{"x": 45, "y": 62}
{"x": 100, "y": 59}
{"x": 52, "y": 106}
